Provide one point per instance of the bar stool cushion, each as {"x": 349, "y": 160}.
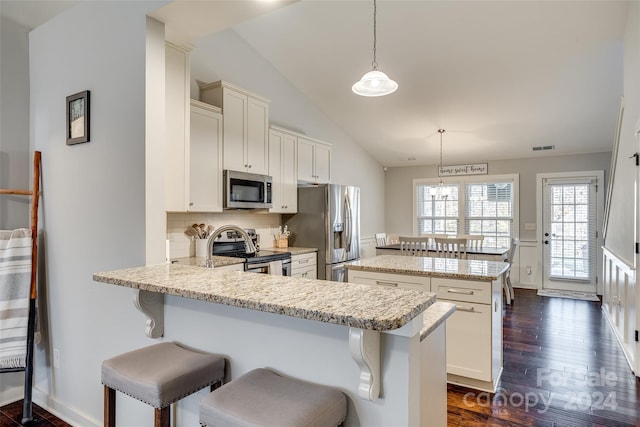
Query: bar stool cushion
{"x": 264, "y": 398}
{"x": 163, "y": 373}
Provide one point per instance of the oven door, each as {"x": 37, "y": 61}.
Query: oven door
{"x": 263, "y": 267}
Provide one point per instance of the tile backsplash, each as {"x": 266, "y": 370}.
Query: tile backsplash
{"x": 182, "y": 245}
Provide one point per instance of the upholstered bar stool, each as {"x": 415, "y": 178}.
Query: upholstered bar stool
{"x": 158, "y": 375}
{"x": 262, "y": 397}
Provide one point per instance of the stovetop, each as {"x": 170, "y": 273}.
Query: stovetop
{"x": 232, "y": 245}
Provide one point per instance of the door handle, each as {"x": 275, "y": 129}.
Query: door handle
{"x": 546, "y": 242}
{"x": 546, "y": 234}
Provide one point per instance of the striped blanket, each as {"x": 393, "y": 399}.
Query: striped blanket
{"x": 15, "y": 285}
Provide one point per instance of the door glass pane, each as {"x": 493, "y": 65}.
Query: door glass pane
{"x": 571, "y": 231}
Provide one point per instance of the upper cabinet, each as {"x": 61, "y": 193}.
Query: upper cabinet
{"x": 314, "y": 161}
{"x": 283, "y": 170}
{"x": 245, "y": 126}
{"x": 176, "y": 122}
{"x": 204, "y": 192}
{"x": 193, "y": 168}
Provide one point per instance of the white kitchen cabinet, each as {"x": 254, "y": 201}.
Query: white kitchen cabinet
{"x": 305, "y": 265}
{"x": 402, "y": 281}
{"x": 177, "y": 73}
{"x": 205, "y": 159}
{"x": 245, "y": 126}
{"x": 283, "y": 170}
{"x": 474, "y": 331}
{"x": 314, "y": 161}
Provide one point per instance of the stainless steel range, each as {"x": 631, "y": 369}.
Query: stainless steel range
{"x": 231, "y": 244}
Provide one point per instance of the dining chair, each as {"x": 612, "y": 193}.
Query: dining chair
{"x": 414, "y": 246}
{"x": 393, "y": 239}
{"x": 432, "y": 238}
{"x": 451, "y": 248}
{"x": 506, "y": 277}
{"x": 474, "y": 241}
{"x": 381, "y": 239}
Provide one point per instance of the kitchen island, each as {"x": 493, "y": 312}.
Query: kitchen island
{"x": 474, "y": 332}
{"x": 365, "y": 340}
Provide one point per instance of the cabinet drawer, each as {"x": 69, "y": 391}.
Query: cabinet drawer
{"x": 462, "y": 290}
{"x": 389, "y": 280}
{"x": 303, "y": 261}
{"x": 469, "y": 341}
{"x": 309, "y": 272}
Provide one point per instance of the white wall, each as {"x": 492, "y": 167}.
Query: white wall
{"x": 15, "y": 158}
{"x": 399, "y": 186}
{"x": 620, "y": 236}
{"x": 225, "y": 56}
{"x": 93, "y": 204}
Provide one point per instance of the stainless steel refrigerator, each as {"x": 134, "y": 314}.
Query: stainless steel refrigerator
{"x": 328, "y": 218}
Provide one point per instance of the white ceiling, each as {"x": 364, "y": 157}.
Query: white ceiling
{"x": 498, "y": 76}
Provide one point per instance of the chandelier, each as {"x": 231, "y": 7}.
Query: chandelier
{"x": 440, "y": 192}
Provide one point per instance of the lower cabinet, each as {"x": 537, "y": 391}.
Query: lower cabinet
{"x": 474, "y": 331}
{"x": 420, "y": 283}
{"x": 304, "y": 265}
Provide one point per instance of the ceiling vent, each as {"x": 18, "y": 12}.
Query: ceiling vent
{"x": 543, "y": 147}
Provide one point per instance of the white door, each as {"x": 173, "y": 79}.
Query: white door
{"x": 570, "y": 245}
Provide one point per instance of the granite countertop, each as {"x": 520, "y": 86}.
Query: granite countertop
{"x": 449, "y": 268}
{"x": 358, "y": 306}
{"x": 294, "y": 250}
{"x": 434, "y": 316}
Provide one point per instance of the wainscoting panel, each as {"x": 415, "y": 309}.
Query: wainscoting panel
{"x": 368, "y": 247}
{"x": 620, "y": 303}
{"x": 527, "y": 265}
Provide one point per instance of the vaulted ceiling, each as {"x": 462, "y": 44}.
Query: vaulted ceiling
{"x": 499, "y": 76}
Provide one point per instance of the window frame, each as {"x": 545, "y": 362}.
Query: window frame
{"x": 461, "y": 181}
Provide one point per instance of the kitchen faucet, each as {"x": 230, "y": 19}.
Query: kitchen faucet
{"x": 248, "y": 243}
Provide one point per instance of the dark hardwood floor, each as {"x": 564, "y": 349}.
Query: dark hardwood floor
{"x": 562, "y": 368}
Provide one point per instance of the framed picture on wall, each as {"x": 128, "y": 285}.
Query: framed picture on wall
{"x": 78, "y": 118}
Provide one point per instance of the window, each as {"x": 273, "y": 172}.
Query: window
{"x": 484, "y": 205}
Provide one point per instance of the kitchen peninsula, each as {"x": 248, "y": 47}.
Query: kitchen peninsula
{"x": 365, "y": 340}
{"x": 474, "y": 331}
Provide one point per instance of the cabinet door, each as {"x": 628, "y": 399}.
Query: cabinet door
{"x": 305, "y": 160}
{"x": 257, "y": 142}
{"x": 177, "y": 114}
{"x": 276, "y": 140}
{"x": 205, "y": 161}
{"x": 235, "y": 130}
{"x": 322, "y": 163}
{"x": 289, "y": 170}
{"x": 469, "y": 341}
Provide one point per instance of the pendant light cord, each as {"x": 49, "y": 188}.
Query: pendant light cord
{"x": 374, "y": 63}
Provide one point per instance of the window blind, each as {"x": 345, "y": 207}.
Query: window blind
{"x": 437, "y": 215}
{"x": 488, "y": 209}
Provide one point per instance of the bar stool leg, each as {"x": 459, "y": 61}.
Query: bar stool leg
{"x": 109, "y": 407}
{"x": 162, "y": 416}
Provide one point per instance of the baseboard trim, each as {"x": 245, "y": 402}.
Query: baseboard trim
{"x": 66, "y": 413}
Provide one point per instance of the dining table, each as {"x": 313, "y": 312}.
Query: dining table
{"x": 485, "y": 253}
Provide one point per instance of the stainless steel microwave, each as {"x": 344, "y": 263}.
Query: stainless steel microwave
{"x": 244, "y": 190}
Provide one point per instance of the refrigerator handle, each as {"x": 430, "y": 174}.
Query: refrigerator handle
{"x": 348, "y": 224}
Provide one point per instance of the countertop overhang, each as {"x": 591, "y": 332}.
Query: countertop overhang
{"x": 358, "y": 306}
{"x": 449, "y": 268}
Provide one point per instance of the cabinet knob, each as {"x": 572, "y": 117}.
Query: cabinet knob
{"x": 249, "y": 166}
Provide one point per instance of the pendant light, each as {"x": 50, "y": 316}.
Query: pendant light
{"x": 374, "y": 83}
{"x": 440, "y": 192}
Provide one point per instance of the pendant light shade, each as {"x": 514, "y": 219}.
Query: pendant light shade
{"x": 374, "y": 83}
